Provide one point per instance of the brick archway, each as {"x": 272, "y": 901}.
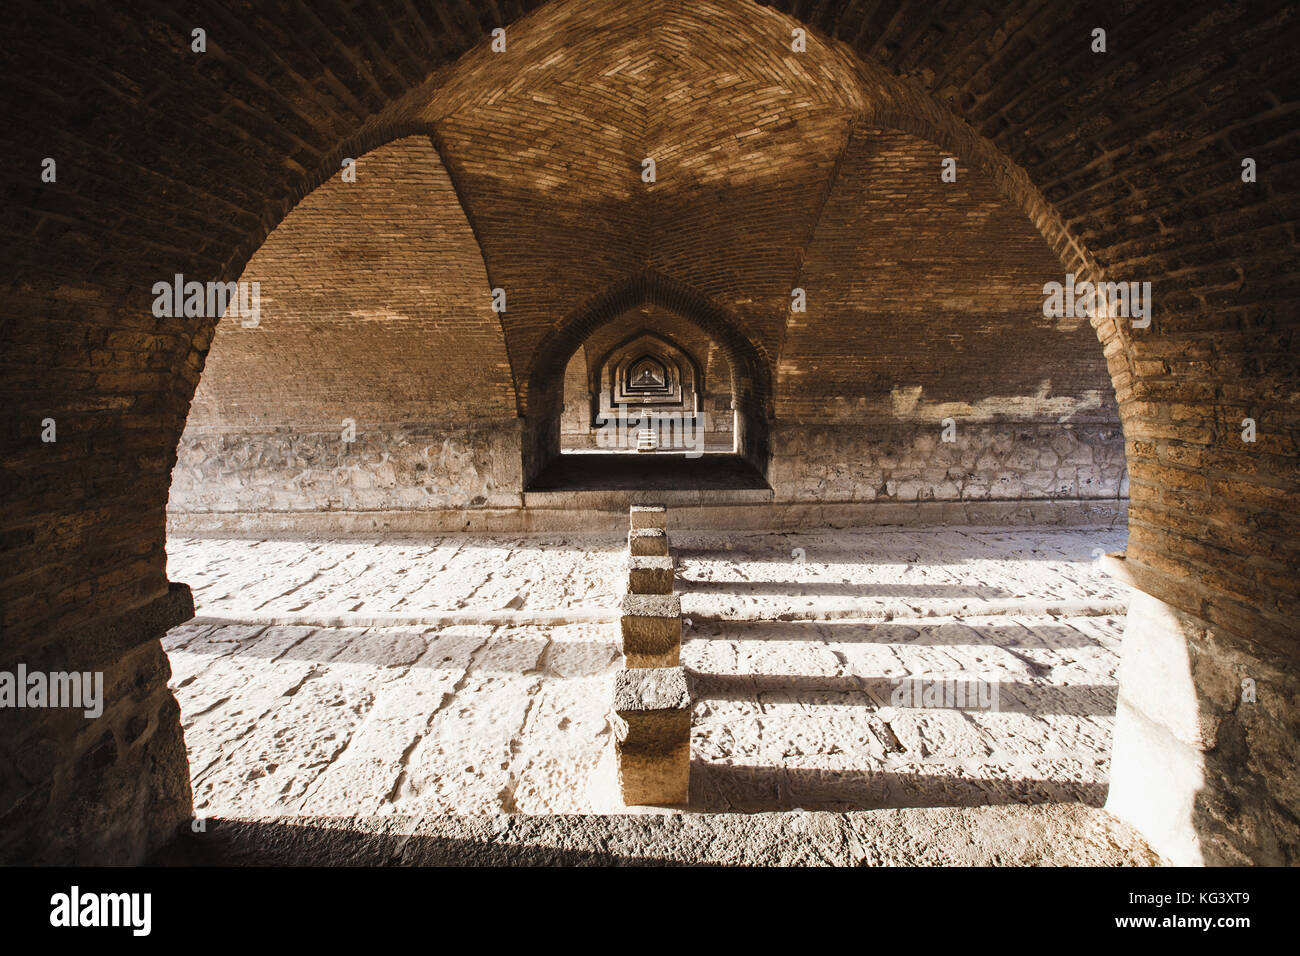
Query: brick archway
{"x": 751, "y": 374}
{"x": 165, "y": 167}
{"x": 676, "y": 361}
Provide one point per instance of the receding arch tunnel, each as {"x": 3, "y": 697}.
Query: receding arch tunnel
{"x": 438, "y": 227}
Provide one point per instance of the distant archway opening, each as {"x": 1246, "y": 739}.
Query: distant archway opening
{"x": 653, "y": 374}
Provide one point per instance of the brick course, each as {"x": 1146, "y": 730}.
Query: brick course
{"x": 173, "y": 162}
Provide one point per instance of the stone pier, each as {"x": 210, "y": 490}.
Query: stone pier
{"x": 652, "y": 735}
{"x": 648, "y": 542}
{"x": 650, "y": 575}
{"x": 648, "y": 516}
{"x": 652, "y": 630}
{"x": 652, "y": 703}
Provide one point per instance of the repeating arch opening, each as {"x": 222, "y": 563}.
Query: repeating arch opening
{"x": 735, "y": 420}
{"x": 1129, "y": 166}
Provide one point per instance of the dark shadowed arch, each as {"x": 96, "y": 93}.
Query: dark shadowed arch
{"x": 1129, "y": 165}
{"x": 750, "y": 363}
{"x": 595, "y": 367}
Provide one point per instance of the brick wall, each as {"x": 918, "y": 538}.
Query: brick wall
{"x": 1129, "y": 164}
{"x": 925, "y": 305}
{"x": 375, "y": 307}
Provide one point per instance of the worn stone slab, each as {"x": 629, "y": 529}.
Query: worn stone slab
{"x": 652, "y": 630}
{"x": 792, "y": 699}
{"x": 652, "y": 735}
{"x": 653, "y": 575}
{"x": 648, "y": 516}
{"x": 648, "y": 542}
{"x": 880, "y": 573}
{"x": 1065, "y": 834}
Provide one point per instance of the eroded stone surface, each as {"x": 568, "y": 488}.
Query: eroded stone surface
{"x": 746, "y": 575}
{"x": 787, "y": 713}
{"x": 648, "y": 516}
{"x": 650, "y": 575}
{"x": 1048, "y": 835}
{"x": 647, "y": 542}
{"x": 652, "y": 735}
{"x": 651, "y": 625}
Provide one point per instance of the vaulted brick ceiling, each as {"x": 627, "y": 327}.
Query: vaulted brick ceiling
{"x": 762, "y": 155}
{"x": 546, "y": 145}
{"x": 171, "y": 162}
{"x": 356, "y": 284}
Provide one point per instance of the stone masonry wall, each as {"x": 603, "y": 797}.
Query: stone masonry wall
{"x": 904, "y": 462}
{"x": 410, "y": 468}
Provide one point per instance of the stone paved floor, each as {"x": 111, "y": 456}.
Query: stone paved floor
{"x": 796, "y": 645}
{"x": 1057, "y": 834}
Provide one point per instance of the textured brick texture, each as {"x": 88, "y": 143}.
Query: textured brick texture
{"x": 925, "y": 300}
{"x": 374, "y": 307}
{"x": 172, "y": 162}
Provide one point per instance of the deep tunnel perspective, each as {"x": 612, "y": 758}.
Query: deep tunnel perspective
{"x": 651, "y": 415}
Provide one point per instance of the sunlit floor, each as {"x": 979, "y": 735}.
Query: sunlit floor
{"x": 472, "y": 674}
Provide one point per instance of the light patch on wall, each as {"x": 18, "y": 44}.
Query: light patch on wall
{"x": 908, "y": 405}
{"x": 378, "y": 315}
{"x": 905, "y": 399}
{"x": 1067, "y": 323}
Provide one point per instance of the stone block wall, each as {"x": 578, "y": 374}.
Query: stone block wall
{"x": 403, "y": 468}
{"x": 910, "y": 462}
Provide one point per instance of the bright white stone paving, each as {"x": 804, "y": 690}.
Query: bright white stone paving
{"x": 471, "y": 718}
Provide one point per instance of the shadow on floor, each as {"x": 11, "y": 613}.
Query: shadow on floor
{"x": 884, "y": 548}
{"x": 1009, "y": 829}
{"x": 1007, "y": 697}
{"x": 276, "y": 843}
{"x": 839, "y": 588}
{"x": 916, "y": 633}
{"x": 648, "y": 473}
{"x": 722, "y": 788}
{"x": 381, "y": 648}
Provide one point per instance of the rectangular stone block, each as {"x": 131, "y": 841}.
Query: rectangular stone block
{"x": 650, "y": 575}
{"x": 648, "y": 516}
{"x": 648, "y": 542}
{"x": 652, "y": 630}
{"x": 652, "y": 735}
